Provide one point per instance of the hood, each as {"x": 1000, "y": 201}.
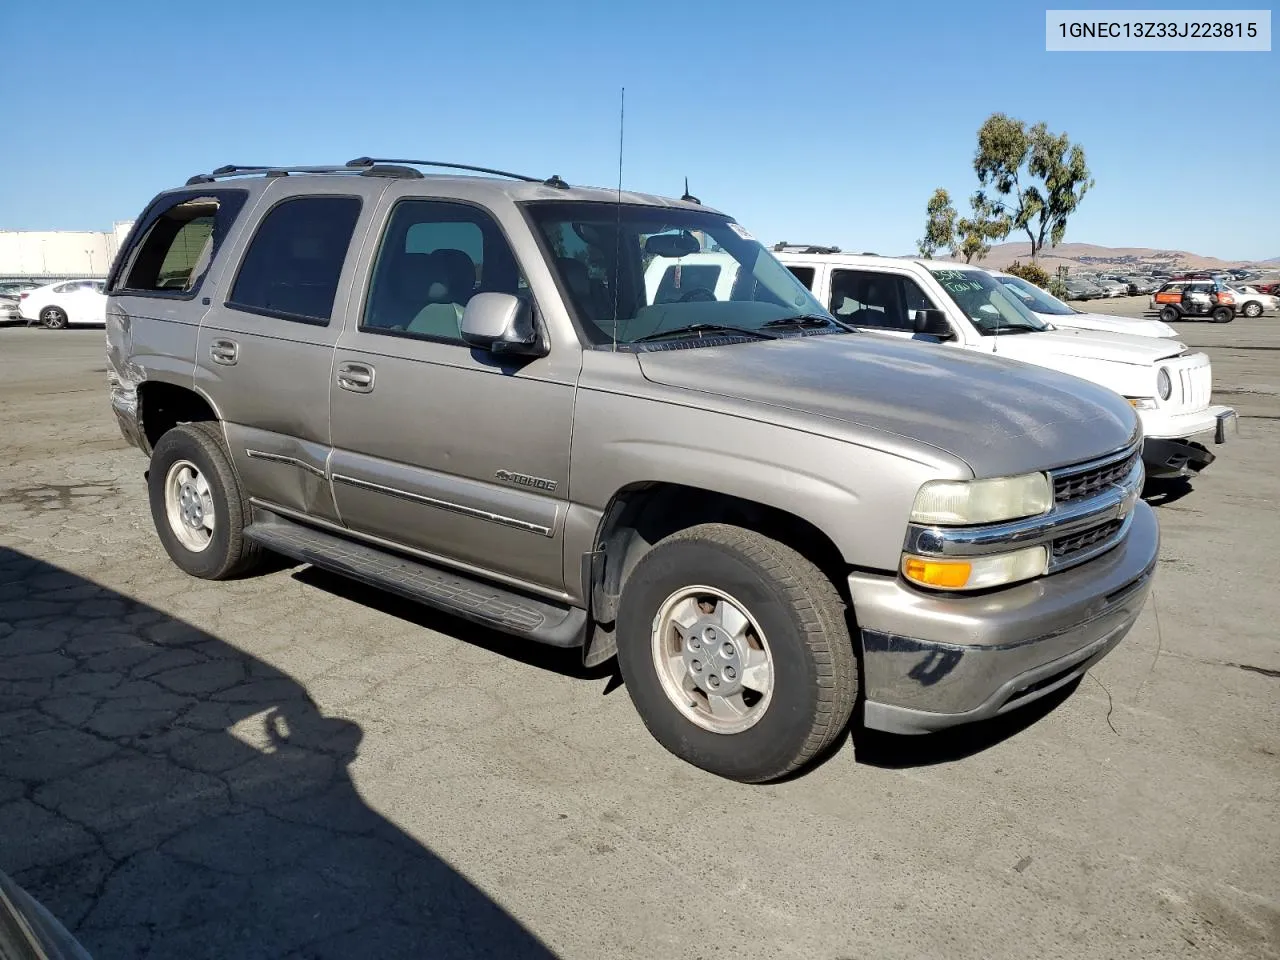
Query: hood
{"x": 1134, "y": 326}
{"x": 998, "y": 416}
{"x": 1080, "y": 344}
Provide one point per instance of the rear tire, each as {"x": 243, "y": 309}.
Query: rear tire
{"x": 1252, "y": 309}
{"x": 54, "y": 318}
{"x": 1170, "y": 314}
{"x": 753, "y": 619}
{"x": 1222, "y": 315}
{"x": 197, "y": 505}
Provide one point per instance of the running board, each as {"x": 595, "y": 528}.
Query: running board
{"x": 467, "y": 597}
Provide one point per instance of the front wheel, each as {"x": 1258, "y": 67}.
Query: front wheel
{"x": 1252, "y": 309}
{"x": 1170, "y": 314}
{"x": 1221, "y": 315}
{"x": 196, "y": 503}
{"x": 54, "y": 318}
{"x": 736, "y": 652}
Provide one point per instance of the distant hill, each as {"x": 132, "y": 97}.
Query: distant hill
{"x": 1088, "y": 257}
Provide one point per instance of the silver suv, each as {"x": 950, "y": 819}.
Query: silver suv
{"x": 461, "y": 389}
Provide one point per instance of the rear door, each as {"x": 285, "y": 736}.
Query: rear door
{"x": 438, "y": 447}
{"x": 265, "y": 349}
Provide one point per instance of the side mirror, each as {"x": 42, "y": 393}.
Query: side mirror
{"x": 502, "y": 324}
{"x": 933, "y": 323}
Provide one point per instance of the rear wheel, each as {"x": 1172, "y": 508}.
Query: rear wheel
{"x": 736, "y": 652}
{"x": 196, "y": 503}
{"x": 1170, "y": 314}
{"x": 1221, "y": 315}
{"x": 55, "y": 318}
{"x": 1252, "y": 309}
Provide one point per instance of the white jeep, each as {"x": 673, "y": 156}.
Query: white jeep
{"x": 966, "y": 307}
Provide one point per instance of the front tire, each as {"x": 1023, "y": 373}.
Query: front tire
{"x": 1170, "y": 315}
{"x": 736, "y": 652}
{"x": 1252, "y": 309}
{"x": 54, "y": 318}
{"x": 197, "y": 505}
{"x": 1222, "y": 315}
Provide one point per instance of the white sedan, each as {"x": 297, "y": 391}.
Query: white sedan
{"x": 1252, "y": 302}
{"x": 1052, "y": 310}
{"x": 67, "y": 302}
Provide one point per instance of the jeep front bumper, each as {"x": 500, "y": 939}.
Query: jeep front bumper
{"x": 932, "y": 661}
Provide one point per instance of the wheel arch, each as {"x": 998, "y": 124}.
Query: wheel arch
{"x": 163, "y": 404}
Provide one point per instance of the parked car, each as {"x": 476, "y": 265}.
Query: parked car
{"x": 12, "y": 288}
{"x": 28, "y": 931}
{"x": 1053, "y": 311}
{"x": 1179, "y": 299}
{"x": 70, "y": 302}
{"x": 1078, "y": 288}
{"x": 1112, "y": 288}
{"x": 9, "y": 309}
{"x": 965, "y": 308}
{"x": 485, "y": 411}
{"x": 1252, "y": 302}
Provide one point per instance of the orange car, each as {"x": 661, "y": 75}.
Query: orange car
{"x": 1208, "y": 297}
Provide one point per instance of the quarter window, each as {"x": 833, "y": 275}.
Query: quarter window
{"x": 178, "y": 245}
{"x": 885, "y": 301}
{"x": 803, "y": 274}
{"x": 293, "y": 264}
{"x": 434, "y": 257}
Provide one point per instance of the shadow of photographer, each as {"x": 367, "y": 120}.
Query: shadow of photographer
{"x": 166, "y": 794}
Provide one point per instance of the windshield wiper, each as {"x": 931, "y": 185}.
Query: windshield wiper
{"x": 806, "y": 320}
{"x": 701, "y": 328}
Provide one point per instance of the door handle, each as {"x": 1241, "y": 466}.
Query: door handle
{"x": 226, "y": 352}
{"x": 356, "y": 377}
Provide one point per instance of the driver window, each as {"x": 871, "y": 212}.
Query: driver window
{"x": 881, "y": 301}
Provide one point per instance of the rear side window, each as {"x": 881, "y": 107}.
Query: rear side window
{"x": 294, "y": 261}
{"x": 803, "y": 274}
{"x": 177, "y": 244}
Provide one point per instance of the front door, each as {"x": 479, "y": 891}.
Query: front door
{"x": 883, "y": 301}
{"x": 439, "y": 447}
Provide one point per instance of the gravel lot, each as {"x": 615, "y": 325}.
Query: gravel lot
{"x": 295, "y": 766}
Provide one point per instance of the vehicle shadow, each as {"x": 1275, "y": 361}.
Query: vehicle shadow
{"x": 168, "y": 795}
{"x": 896, "y": 752}
{"x": 1161, "y": 493}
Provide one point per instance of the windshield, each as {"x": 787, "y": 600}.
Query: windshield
{"x": 985, "y": 301}
{"x": 1034, "y": 298}
{"x": 665, "y": 270}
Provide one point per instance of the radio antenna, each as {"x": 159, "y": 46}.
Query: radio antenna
{"x": 617, "y": 235}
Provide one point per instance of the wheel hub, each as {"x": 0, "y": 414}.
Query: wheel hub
{"x": 191, "y": 505}
{"x": 713, "y": 659}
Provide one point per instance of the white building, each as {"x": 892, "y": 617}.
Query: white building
{"x": 61, "y": 253}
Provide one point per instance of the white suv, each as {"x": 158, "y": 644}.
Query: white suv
{"x": 965, "y": 307}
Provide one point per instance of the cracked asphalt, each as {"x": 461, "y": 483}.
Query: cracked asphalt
{"x": 296, "y": 766}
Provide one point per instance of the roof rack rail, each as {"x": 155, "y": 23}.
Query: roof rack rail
{"x": 784, "y": 247}
{"x": 552, "y": 181}
{"x": 239, "y": 170}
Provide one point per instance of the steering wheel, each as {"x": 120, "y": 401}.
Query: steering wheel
{"x": 699, "y": 294}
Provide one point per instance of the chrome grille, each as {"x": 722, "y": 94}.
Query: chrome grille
{"x": 1085, "y": 483}
{"x": 1064, "y": 548}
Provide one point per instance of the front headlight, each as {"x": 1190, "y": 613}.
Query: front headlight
{"x": 1164, "y": 385}
{"x": 963, "y": 502}
{"x": 975, "y": 573}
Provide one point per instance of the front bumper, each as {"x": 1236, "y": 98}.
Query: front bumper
{"x": 932, "y": 661}
{"x": 1171, "y": 448}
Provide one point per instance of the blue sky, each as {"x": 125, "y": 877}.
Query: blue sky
{"x": 821, "y": 122}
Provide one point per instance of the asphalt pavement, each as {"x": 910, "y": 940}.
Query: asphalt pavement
{"x": 296, "y": 766}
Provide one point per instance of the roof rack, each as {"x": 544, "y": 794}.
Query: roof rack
{"x": 784, "y": 247}
{"x": 361, "y": 166}
{"x": 552, "y": 181}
